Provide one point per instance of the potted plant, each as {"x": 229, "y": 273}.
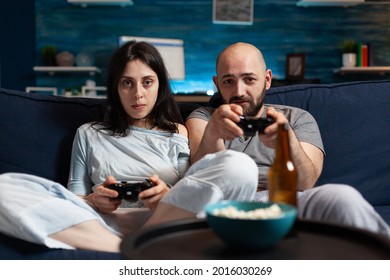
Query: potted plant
{"x": 348, "y": 49}
{"x": 48, "y": 54}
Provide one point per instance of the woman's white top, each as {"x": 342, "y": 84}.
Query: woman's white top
{"x": 144, "y": 152}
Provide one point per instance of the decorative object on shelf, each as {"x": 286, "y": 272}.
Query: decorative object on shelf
{"x": 48, "y": 55}
{"x": 67, "y": 92}
{"x": 348, "y": 49}
{"x": 83, "y": 59}
{"x": 362, "y": 54}
{"x": 295, "y": 66}
{"x": 90, "y": 85}
{"x": 65, "y": 58}
{"x": 92, "y": 91}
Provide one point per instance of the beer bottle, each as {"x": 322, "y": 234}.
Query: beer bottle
{"x": 282, "y": 176}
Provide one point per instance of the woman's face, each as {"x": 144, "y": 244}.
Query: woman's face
{"x": 138, "y": 90}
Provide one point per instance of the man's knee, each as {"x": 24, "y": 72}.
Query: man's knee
{"x": 332, "y": 201}
{"x": 338, "y": 194}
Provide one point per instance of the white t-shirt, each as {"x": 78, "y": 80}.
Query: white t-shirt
{"x": 134, "y": 158}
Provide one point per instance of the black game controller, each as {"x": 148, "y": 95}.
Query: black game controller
{"x": 130, "y": 191}
{"x": 251, "y": 125}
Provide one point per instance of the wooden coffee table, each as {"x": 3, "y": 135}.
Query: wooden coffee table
{"x": 194, "y": 240}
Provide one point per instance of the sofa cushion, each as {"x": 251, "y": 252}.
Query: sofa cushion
{"x": 38, "y": 131}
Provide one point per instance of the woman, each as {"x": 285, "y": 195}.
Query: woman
{"x": 140, "y": 134}
{"x": 140, "y": 138}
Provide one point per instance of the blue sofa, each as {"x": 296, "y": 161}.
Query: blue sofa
{"x": 354, "y": 119}
{"x": 37, "y": 136}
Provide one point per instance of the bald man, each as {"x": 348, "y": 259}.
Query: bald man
{"x": 242, "y": 79}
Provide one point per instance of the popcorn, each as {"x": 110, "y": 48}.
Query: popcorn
{"x": 232, "y": 212}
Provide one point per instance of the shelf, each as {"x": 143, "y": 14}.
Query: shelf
{"x": 329, "y": 3}
{"x": 67, "y": 69}
{"x": 381, "y": 70}
{"x": 85, "y": 3}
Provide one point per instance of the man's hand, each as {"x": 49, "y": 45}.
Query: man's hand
{"x": 270, "y": 135}
{"x": 208, "y": 137}
{"x": 223, "y": 123}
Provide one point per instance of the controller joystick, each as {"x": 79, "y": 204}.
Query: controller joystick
{"x": 252, "y": 125}
{"x": 130, "y": 191}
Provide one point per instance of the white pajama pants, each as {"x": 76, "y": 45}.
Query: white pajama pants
{"x": 32, "y": 208}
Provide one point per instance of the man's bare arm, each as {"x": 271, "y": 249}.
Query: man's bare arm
{"x": 307, "y": 158}
{"x": 199, "y": 145}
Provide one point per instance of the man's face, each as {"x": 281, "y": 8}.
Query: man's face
{"x": 251, "y": 104}
{"x": 242, "y": 79}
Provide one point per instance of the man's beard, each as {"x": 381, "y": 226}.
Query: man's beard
{"x": 254, "y": 106}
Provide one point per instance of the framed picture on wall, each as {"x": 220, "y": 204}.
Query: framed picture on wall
{"x": 295, "y": 66}
{"x": 233, "y": 12}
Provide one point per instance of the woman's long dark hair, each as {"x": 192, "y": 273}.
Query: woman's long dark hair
{"x": 165, "y": 113}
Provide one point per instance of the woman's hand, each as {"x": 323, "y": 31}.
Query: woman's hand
{"x": 151, "y": 197}
{"x": 104, "y": 199}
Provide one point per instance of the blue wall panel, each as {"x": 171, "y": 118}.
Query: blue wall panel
{"x": 279, "y": 27}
